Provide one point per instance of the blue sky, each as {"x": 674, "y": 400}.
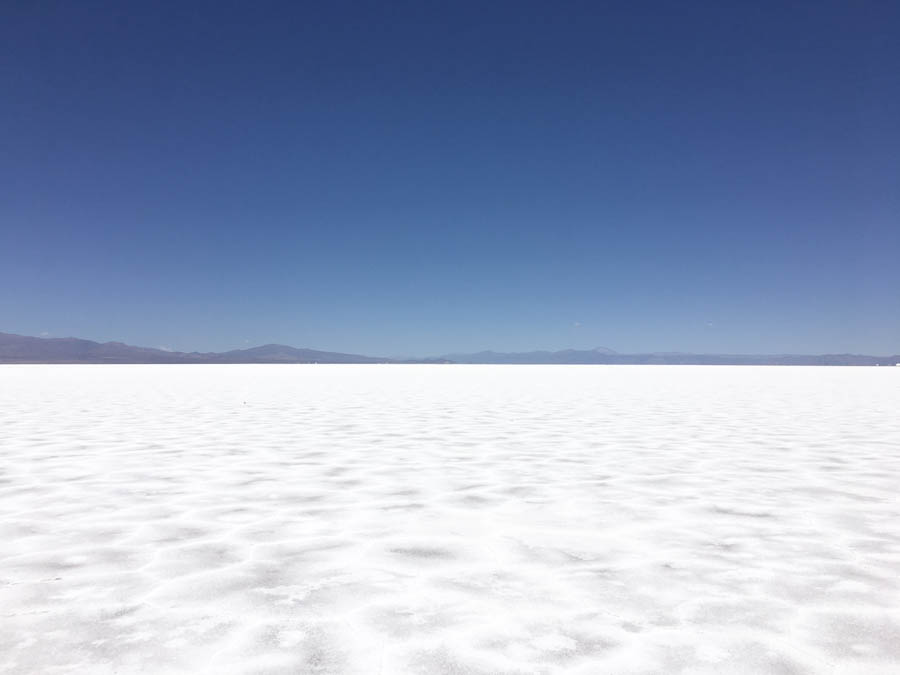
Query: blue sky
{"x": 419, "y": 178}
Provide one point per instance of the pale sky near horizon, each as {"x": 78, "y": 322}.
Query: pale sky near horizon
{"x": 418, "y": 178}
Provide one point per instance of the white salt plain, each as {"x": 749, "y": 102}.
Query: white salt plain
{"x": 449, "y": 519}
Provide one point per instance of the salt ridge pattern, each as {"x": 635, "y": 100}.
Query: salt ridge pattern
{"x": 449, "y": 519}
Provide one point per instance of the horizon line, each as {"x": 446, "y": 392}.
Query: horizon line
{"x": 600, "y": 350}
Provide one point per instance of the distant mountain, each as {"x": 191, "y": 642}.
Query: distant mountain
{"x": 608, "y": 356}
{"x": 24, "y": 349}
{"x": 286, "y": 354}
{"x": 565, "y": 356}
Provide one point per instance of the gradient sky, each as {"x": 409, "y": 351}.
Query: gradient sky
{"x": 418, "y": 178}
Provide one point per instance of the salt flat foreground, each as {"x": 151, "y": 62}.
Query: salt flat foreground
{"x": 449, "y": 519}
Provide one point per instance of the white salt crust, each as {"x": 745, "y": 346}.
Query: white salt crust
{"x": 449, "y": 519}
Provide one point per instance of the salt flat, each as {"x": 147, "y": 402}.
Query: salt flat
{"x": 449, "y": 519}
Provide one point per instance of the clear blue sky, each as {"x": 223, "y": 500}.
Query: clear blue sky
{"x": 418, "y": 178}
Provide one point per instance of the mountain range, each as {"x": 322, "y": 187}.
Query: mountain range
{"x": 606, "y": 356}
{"x": 25, "y": 349}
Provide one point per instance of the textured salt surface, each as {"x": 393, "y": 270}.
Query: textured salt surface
{"x": 449, "y": 519}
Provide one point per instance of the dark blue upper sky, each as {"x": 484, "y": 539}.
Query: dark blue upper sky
{"x": 416, "y": 178}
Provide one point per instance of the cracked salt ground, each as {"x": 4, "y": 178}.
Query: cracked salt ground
{"x": 449, "y": 519}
